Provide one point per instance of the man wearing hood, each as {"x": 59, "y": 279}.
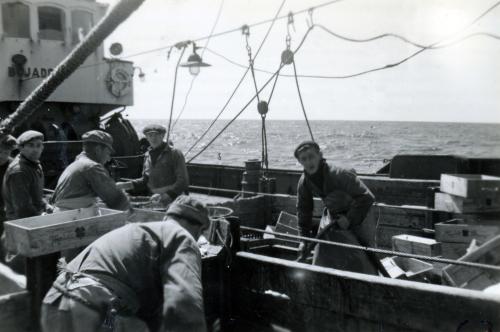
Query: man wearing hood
{"x": 149, "y": 271}
{"x": 347, "y": 201}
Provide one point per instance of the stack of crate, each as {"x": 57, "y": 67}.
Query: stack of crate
{"x": 474, "y": 201}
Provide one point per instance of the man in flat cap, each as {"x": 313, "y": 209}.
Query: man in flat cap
{"x": 149, "y": 271}
{"x": 347, "y": 201}
{"x": 86, "y": 179}
{"x": 23, "y": 182}
{"x": 164, "y": 172}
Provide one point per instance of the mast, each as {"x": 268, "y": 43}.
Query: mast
{"x": 102, "y": 30}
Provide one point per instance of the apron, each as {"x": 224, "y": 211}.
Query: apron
{"x": 74, "y": 203}
{"x": 338, "y": 257}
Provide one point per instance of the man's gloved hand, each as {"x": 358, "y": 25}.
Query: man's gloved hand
{"x": 304, "y": 250}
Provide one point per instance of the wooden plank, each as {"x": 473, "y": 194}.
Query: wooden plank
{"x": 269, "y": 312}
{"x": 416, "y": 217}
{"x": 469, "y": 185}
{"x": 52, "y": 233}
{"x": 467, "y": 277}
{"x": 405, "y": 304}
{"x": 416, "y": 245}
{"x": 450, "y": 203}
{"x": 457, "y": 231}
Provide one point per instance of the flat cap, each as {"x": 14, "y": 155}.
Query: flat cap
{"x": 99, "y": 136}
{"x": 8, "y": 143}
{"x": 28, "y": 136}
{"x": 190, "y": 209}
{"x": 304, "y": 146}
{"x": 154, "y": 128}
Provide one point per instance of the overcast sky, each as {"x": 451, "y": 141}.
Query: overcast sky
{"x": 459, "y": 83}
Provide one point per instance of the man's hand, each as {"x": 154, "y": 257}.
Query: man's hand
{"x": 125, "y": 185}
{"x": 155, "y": 198}
{"x": 343, "y": 222}
{"x": 303, "y": 252}
{"x": 49, "y": 209}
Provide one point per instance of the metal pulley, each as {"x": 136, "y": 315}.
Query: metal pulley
{"x": 287, "y": 56}
{"x": 262, "y": 107}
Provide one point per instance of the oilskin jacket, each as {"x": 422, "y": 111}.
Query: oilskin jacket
{"x": 154, "y": 268}
{"x": 82, "y": 182}
{"x": 167, "y": 174}
{"x": 342, "y": 192}
{"x": 22, "y": 189}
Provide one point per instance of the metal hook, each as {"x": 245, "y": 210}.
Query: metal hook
{"x": 245, "y": 30}
{"x": 290, "y": 22}
{"x": 310, "y": 21}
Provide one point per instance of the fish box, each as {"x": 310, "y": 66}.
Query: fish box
{"x": 451, "y": 203}
{"x": 453, "y": 250}
{"x": 476, "y": 278}
{"x": 457, "y": 231}
{"x": 416, "y": 245}
{"x": 41, "y": 235}
{"x": 406, "y": 268}
{"x": 470, "y": 185}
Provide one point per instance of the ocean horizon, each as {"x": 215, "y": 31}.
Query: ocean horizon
{"x": 362, "y": 145}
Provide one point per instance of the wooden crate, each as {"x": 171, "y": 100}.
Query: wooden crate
{"x": 416, "y": 245}
{"x": 453, "y": 250}
{"x": 457, "y": 231}
{"x": 451, "y": 203}
{"x": 406, "y": 268}
{"x": 51, "y": 233}
{"x": 475, "y": 278}
{"x": 470, "y": 185}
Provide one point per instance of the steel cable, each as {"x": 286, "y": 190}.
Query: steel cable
{"x": 238, "y": 85}
{"x": 377, "y": 250}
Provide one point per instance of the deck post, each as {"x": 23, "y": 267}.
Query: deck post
{"x": 41, "y": 272}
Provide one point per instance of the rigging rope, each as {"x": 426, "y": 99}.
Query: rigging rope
{"x": 239, "y": 83}
{"x": 75, "y": 58}
{"x": 245, "y": 107}
{"x": 173, "y": 92}
{"x": 377, "y": 250}
{"x": 158, "y": 49}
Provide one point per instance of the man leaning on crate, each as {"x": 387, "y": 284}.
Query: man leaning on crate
{"x": 86, "y": 179}
{"x": 140, "y": 274}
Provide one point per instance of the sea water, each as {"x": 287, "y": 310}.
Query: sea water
{"x": 362, "y": 145}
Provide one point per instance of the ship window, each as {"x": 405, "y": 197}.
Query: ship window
{"x": 51, "y": 23}
{"x": 16, "y": 20}
{"x": 81, "y": 23}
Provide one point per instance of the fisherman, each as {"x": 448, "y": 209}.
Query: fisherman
{"x": 164, "y": 173}
{"x": 347, "y": 201}
{"x": 148, "y": 271}
{"x": 23, "y": 182}
{"x": 6, "y": 147}
{"x": 86, "y": 179}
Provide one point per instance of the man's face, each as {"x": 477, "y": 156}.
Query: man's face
{"x": 103, "y": 154}
{"x": 155, "y": 138}
{"x": 32, "y": 150}
{"x": 309, "y": 159}
{"x": 4, "y": 155}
